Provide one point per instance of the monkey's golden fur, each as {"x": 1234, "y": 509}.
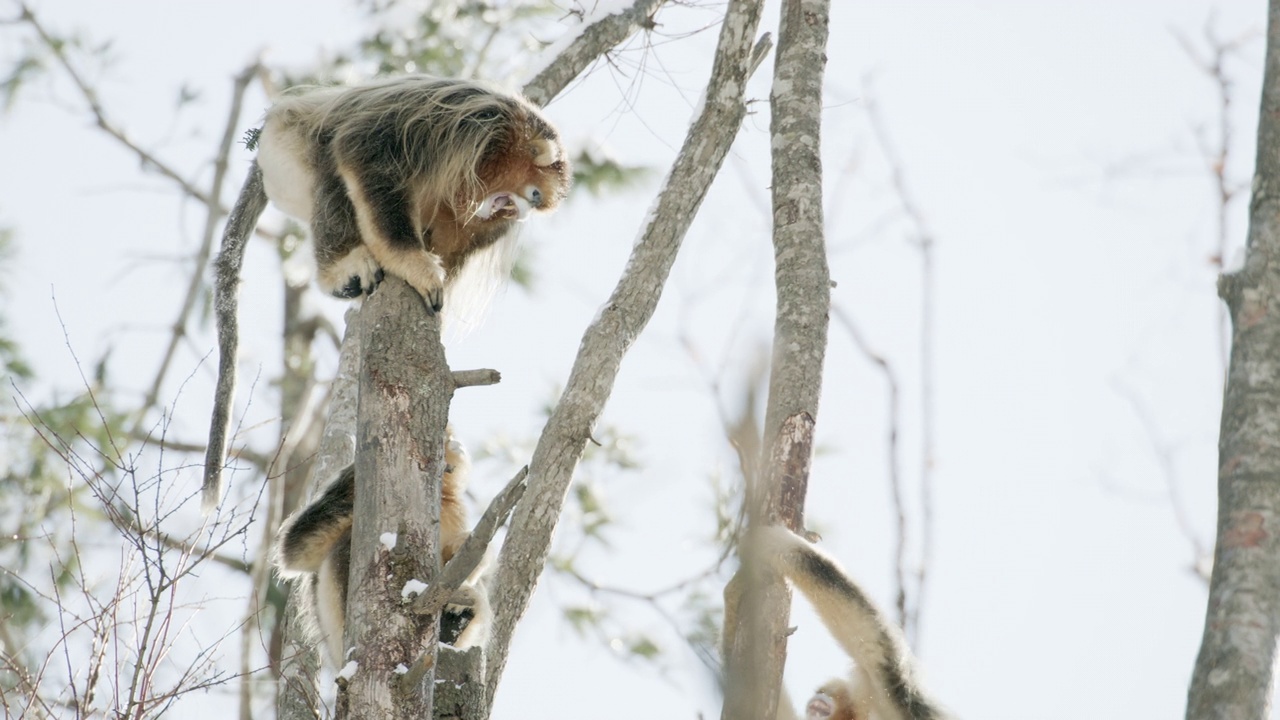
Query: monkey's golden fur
{"x": 421, "y": 172}
{"x": 882, "y": 684}
{"x": 425, "y": 178}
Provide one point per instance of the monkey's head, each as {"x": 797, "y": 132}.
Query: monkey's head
{"x": 489, "y": 158}
{"x": 832, "y": 701}
{"x": 523, "y": 169}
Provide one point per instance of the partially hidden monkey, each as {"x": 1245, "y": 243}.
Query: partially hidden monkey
{"x": 313, "y": 548}
{"x": 882, "y": 683}
{"x": 424, "y": 178}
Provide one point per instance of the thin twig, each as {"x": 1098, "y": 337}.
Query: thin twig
{"x": 213, "y": 214}
{"x": 593, "y": 42}
{"x": 473, "y": 378}
{"x": 1217, "y": 155}
{"x": 924, "y": 240}
{"x": 895, "y": 472}
{"x": 100, "y": 116}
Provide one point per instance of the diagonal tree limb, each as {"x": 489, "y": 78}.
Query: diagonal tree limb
{"x": 100, "y": 116}
{"x": 468, "y": 557}
{"x": 619, "y": 323}
{"x": 594, "y": 41}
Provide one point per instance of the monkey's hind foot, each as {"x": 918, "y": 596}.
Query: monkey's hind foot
{"x": 453, "y": 624}
{"x": 353, "y": 275}
{"x": 463, "y": 621}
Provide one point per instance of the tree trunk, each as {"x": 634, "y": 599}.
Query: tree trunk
{"x": 758, "y": 646}
{"x": 298, "y": 695}
{"x": 1235, "y": 669}
{"x": 405, "y": 389}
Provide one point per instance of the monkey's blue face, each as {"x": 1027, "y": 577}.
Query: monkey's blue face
{"x": 527, "y": 172}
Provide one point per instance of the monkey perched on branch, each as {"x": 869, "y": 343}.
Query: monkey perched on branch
{"x": 882, "y": 684}
{"x": 421, "y": 177}
{"x": 314, "y": 548}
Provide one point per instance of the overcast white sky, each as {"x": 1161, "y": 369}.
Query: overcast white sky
{"x": 1051, "y": 148}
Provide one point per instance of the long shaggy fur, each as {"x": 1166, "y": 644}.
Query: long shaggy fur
{"x": 313, "y": 548}
{"x": 423, "y": 171}
{"x": 882, "y": 684}
{"x": 423, "y": 178}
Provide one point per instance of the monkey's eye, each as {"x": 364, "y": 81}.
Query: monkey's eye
{"x": 487, "y": 115}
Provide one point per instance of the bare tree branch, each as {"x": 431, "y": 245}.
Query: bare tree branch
{"x": 928, "y": 443}
{"x": 895, "y": 471}
{"x": 472, "y": 378}
{"x": 473, "y": 550}
{"x": 590, "y": 44}
{"x": 1217, "y": 154}
{"x": 100, "y": 116}
{"x": 213, "y": 215}
{"x": 1234, "y": 672}
{"x": 620, "y": 321}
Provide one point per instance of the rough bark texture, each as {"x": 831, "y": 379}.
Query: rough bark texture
{"x": 1235, "y": 669}
{"x": 759, "y": 642}
{"x": 405, "y": 389}
{"x": 298, "y": 696}
{"x": 462, "y": 696}
{"x": 621, "y": 319}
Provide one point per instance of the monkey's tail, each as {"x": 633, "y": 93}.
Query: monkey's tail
{"x": 240, "y": 224}
{"x": 307, "y": 538}
{"x": 874, "y": 643}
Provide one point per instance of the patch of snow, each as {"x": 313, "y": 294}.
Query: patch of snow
{"x": 412, "y": 588}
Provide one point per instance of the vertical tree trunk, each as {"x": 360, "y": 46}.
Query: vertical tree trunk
{"x": 757, "y": 651}
{"x": 1234, "y": 671}
{"x": 800, "y": 253}
{"x": 405, "y": 389}
{"x": 298, "y": 695}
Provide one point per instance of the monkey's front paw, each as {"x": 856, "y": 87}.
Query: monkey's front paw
{"x": 426, "y": 274}
{"x": 435, "y": 299}
{"x": 352, "y": 275}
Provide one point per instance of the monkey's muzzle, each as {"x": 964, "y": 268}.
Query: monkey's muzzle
{"x": 820, "y": 706}
{"x": 506, "y": 205}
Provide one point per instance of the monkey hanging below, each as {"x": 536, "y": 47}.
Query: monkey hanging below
{"x": 882, "y": 684}
{"x": 313, "y": 548}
